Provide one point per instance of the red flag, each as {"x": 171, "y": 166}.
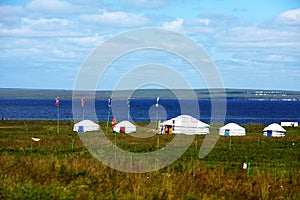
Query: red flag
{"x": 57, "y": 101}
{"x": 113, "y": 122}
{"x": 82, "y": 102}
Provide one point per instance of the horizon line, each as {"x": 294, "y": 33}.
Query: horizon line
{"x": 109, "y": 90}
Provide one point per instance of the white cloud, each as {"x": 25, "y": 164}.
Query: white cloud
{"x": 63, "y": 32}
{"x": 255, "y": 36}
{"x": 290, "y": 17}
{"x": 116, "y": 18}
{"x": 27, "y": 31}
{"x": 44, "y": 21}
{"x": 85, "y": 41}
{"x": 280, "y": 58}
{"x": 10, "y": 14}
{"x": 57, "y": 53}
{"x": 204, "y": 21}
{"x": 21, "y": 31}
{"x": 53, "y": 6}
{"x": 40, "y": 27}
{"x": 175, "y": 25}
{"x": 146, "y": 4}
{"x": 11, "y": 10}
{"x": 210, "y": 24}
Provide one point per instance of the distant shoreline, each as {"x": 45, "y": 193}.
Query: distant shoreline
{"x": 247, "y": 94}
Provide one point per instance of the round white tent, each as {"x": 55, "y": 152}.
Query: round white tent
{"x": 125, "y": 127}
{"x": 274, "y": 130}
{"x": 85, "y": 126}
{"x": 184, "y": 124}
{"x": 232, "y": 129}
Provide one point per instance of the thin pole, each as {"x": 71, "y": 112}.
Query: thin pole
{"x": 82, "y": 105}
{"x": 83, "y": 113}
{"x": 109, "y": 105}
{"x": 157, "y": 100}
{"x": 128, "y": 110}
{"x": 57, "y": 110}
{"x": 57, "y": 119}
{"x": 107, "y": 119}
{"x": 157, "y": 128}
{"x": 128, "y": 113}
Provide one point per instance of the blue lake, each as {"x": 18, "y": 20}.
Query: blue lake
{"x": 238, "y": 111}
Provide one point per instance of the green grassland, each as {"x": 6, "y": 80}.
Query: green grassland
{"x": 51, "y": 169}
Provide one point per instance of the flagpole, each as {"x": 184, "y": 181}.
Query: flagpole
{"x": 107, "y": 119}
{"x": 157, "y": 99}
{"x": 82, "y": 113}
{"x": 128, "y": 110}
{"x": 57, "y": 119}
{"x": 128, "y": 113}
{"x": 82, "y": 105}
{"x": 109, "y": 105}
{"x": 57, "y": 110}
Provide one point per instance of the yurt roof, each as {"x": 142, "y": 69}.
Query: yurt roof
{"x": 126, "y": 123}
{"x": 232, "y": 126}
{"x": 274, "y": 127}
{"x": 185, "y": 118}
{"x": 86, "y": 122}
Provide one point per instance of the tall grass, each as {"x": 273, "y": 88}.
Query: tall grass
{"x": 51, "y": 170}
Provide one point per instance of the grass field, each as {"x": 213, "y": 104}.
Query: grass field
{"x": 51, "y": 169}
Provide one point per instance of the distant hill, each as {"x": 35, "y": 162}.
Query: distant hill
{"x": 153, "y": 93}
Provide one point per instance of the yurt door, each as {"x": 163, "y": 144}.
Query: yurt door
{"x": 122, "y": 129}
{"x": 269, "y": 133}
{"x": 170, "y": 130}
{"x": 80, "y": 129}
{"x": 227, "y": 132}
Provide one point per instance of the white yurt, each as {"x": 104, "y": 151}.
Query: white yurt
{"x": 232, "y": 129}
{"x": 274, "y": 130}
{"x": 184, "y": 124}
{"x": 85, "y": 126}
{"x": 125, "y": 127}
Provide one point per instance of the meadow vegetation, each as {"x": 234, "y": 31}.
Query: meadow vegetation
{"x": 51, "y": 169}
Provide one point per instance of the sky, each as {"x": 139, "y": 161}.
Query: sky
{"x": 253, "y": 44}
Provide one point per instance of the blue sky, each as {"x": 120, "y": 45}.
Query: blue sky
{"x": 254, "y": 44}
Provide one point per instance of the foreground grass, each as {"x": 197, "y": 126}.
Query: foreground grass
{"x": 51, "y": 169}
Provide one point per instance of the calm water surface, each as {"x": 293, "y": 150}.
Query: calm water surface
{"x": 238, "y": 111}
